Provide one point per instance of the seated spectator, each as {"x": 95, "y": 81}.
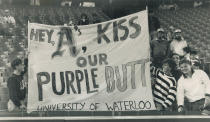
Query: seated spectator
{"x": 178, "y": 44}
{"x": 96, "y": 18}
{"x": 84, "y": 20}
{"x": 197, "y": 3}
{"x": 17, "y": 88}
{"x": 165, "y": 85}
{"x": 8, "y": 19}
{"x": 159, "y": 48}
{"x": 194, "y": 85}
{"x": 169, "y": 6}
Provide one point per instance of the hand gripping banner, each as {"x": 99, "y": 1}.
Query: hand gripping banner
{"x": 102, "y": 67}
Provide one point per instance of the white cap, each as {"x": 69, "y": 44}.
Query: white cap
{"x": 6, "y": 10}
{"x": 177, "y": 31}
{"x": 160, "y": 30}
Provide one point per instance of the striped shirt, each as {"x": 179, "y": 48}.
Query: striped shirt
{"x": 164, "y": 88}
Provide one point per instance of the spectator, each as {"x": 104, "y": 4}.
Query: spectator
{"x": 159, "y": 48}
{"x": 194, "y": 58}
{"x": 17, "y": 88}
{"x": 96, "y": 18}
{"x": 170, "y": 34}
{"x": 194, "y": 85}
{"x": 197, "y": 3}
{"x": 178, "y": 44}
{"x": 84, "y": 20}
{"x": 8, "y": 19}
{"x": 165, "y": 85}
{"x": 154, "y": 24}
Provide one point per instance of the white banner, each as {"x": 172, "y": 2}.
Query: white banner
{"x": 102, "y": 67}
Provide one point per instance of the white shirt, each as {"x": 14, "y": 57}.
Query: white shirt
{"x": 193, "y": 88}
{"x": 178, "y": 46}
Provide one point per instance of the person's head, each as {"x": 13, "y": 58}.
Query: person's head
{"x": 160, "y": 33}
{"x": 185, "y": 66}
{"x": 176, "y": 58}
{"x": 17, "y": 65}
{"x": 6, "y": 12}
{"x": 168, "y": 65}
{"x": 151, "y": 13}
{"x": 178, "y": 34}
{"x": 171, "y": 28}
{"x": 194, "y": 54}
{"x": 84, "y": 17}
{"x": 95, "y": 16}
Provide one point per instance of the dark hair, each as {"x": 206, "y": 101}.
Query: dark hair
{"x": 171, "y": 63}
{"x": 84, "y": 15}
{"x": 174, "y": 54}
{"x": 185, "y": 61}
{"x": 15, "y": 63}
{"x": 94, "y": 14}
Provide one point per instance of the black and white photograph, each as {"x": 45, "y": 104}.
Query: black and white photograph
{"x": 105, "y": 60}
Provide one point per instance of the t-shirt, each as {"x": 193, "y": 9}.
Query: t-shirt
{"x": 177, "y": 47}
{"x": 159, "y": 48}
{"x": 17, "y": 89}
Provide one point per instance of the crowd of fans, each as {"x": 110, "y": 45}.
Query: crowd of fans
{"x": 178, "y": 82}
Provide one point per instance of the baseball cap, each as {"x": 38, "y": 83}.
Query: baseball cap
{"x": 6, "y": 10}
{"x": 177, "y": 31}
{"x": 160, "y": 30}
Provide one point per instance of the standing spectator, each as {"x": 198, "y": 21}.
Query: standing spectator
{"x": 194, "y": 58}
{"x": 170, "y": 34}
{"x": 154, "y": 24}
{"x": 159, "y": 48}
{"x": 84, "y": 20}
{"x": 16, "y": 86}
{"x": 176, "y": 58}
{"x": 179, "y": 45}
{"x": 165, "y": 85}
{"x": 194, "y": 85}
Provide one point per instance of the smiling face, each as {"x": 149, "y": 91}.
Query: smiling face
{"x": 20, "y": 67}
{"x": 160, "y": 35}
{"x": 186, "y": 68}
{"x": 176, "y": 59}
{"x": 178, "y": 36}
{"x": 166, "y": 68}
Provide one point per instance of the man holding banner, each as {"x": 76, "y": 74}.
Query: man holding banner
{"x": 16, "y": 87}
